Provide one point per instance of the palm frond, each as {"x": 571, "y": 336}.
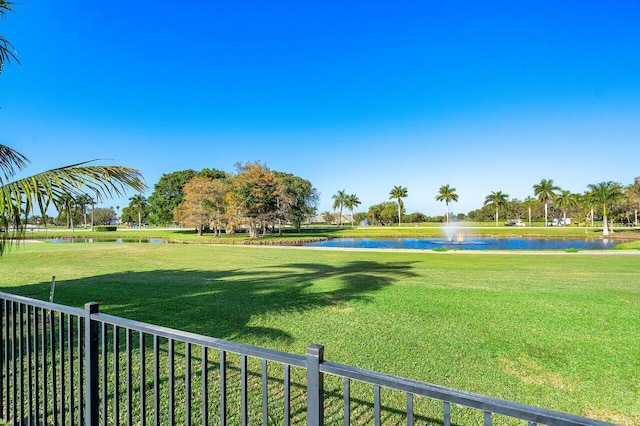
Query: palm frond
{"x": 19, "y": 199}
{"x": 10, "y": 160}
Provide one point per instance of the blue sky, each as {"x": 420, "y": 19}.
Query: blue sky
{"x": 361, "y": 96}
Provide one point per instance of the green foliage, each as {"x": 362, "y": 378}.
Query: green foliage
{"x": 167, "y": 195}
{"x": 383, "y": 213}
{"x": 105, "y": 228}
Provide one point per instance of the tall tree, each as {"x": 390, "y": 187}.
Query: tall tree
{"x": 565, "y": 200}
{"x": 496, "y": 199}
{"x": 351, "y": 203}
{"x": 399, "y": 192}
{"x": 606, "y": 194}
{"x": 167, "y": 195}
{"x": 339, "y": 200}
{"x": 138, "y": 203}
{"x": 254, "y": 195}
{"x": 83, "y": 201}
{"x": 203, "y": 204}
{"x": 447, "y": 194}
{"x": 633, "y": 192}
{"x": 529, "y": 202}
{"x": 297, "y": 198}
{"x": 546, "y": 193}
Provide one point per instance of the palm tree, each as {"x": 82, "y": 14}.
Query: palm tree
{"x": 138, "y": 203}
{"x": 19, "y": 198}
{"x": 339, "y": 201}
{"x": 496, "y": 199}
{"x": 83, "y": 201}
{"x": 447, "y": 194}
{"x": 528, "y": 202}
{"x": 399, "y": 192}
{"x": 606, "y": 193}
{"x": 566, "y": 200}
{"x": 546, "y": 192}
{"x": 351, "y": 203}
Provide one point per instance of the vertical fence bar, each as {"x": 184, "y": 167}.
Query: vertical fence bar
{"x": 487, "y": 418}
{"x": 205, "y": 388}
{"x": 105, "y": 373}
{"x": 346, "y": 401}
{"x": 315, "y": 385}
{"x": 129, "y": 350}
{"x": 21, "y": 360}
{"x": 30, "y": 415}
{"x": 376, "y": 405}
{"x": 244, "y": 398}
{"x": 54, "y": 370}
{"x": 14, "y": 376}
{"x": 91, "y": 362}
{"x": 71, "y": 369}
{"x": 81, "y": 382}
{"x": 265, "y": 393}
{"x": 143, "y": 379}
{"x": 5, "y": 361}
{"x": 172, "y": 378}
{"x": 223, "y": 388}
{"x": 156, "y": 379}
{"x": 2, "y": 361}
{"x": 447, "y": 414}
{"x": 116, "y": 375}
{"x": 43, "y": 339}
{"x": 61, "y": 345}
{"x": 287, "y": 394}
{"x": 187, "y": 383}
{"x": 409, "y": 409}
{"x": 36, "y": 355}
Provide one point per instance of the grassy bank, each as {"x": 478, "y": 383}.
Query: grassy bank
{"x": 558, "y": 331}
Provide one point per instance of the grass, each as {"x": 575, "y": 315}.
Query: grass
{"x": 555, "y": 330}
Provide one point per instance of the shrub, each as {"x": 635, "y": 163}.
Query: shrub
{"x": 105, "y": 228}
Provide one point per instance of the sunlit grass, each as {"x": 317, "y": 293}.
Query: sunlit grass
{"x": 553, "y": 330}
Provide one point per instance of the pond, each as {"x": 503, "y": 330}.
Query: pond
{"x": 469, "y": 243}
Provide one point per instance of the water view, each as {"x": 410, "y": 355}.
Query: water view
{"x": 469, "y": 243}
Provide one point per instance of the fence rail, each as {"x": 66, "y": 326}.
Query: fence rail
{"x": 64, "y": 365}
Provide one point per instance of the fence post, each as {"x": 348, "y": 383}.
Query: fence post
{"x": 315, "y": 386}
{"x": 91, "y": 365}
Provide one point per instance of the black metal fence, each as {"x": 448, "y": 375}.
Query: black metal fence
{"x": 63, "y": 365}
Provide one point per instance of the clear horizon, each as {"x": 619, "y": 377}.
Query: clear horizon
{"x": 360, "y": 96}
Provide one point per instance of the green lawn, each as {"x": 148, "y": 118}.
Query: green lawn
{"x": 559, "y": 331}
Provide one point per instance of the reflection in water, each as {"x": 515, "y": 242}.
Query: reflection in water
{"x": 466, "y": 243}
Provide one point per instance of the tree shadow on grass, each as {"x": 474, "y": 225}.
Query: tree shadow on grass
{"x": 222, "y": 303}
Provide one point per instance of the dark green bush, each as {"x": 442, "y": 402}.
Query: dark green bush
{"x": 105, "y": 228}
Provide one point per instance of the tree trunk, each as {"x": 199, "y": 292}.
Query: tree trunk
{"x": 529, "y": 216}
{"x": 496, "y": 216}
{"x": 446, "y": 207}
{"x": 545, "y": 214}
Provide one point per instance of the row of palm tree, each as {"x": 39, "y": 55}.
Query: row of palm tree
{"x": 342, "y": 199}
{"x": 546, "y": 193}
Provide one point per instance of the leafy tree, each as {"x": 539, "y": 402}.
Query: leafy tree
{"x": 138, "y": 203}
{"x": 546, "y": 193}
{"x": 203, "y": 204}
{"x": 297, "y": 198}
{"x": 399, "y": 192}
{"x": 339, "y": 200}
{"x": 103, "y": 215}
{"x": 351, "y": 203}
{"x": 496, "y": 199}
{"x": 447, "y": 194}
{"x": 167, "y": 195}
{"x": 383, "y": 213}
{"x": 328, "y": 217}
{"x": 633, "y": 192}
{"x": 254, "y": 195}
{"x": 606, "y": 193}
